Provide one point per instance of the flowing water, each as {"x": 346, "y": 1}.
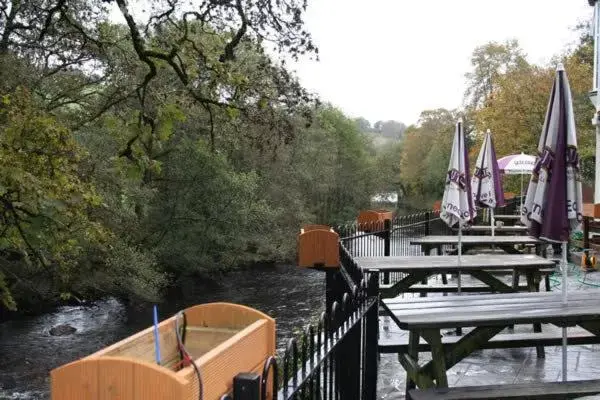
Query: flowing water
{"x": 291, "y": 295}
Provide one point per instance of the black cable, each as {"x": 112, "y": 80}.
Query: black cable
{"x": 184, "y": 353}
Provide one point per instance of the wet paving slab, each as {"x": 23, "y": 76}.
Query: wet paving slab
{"x": 501, "y": 366}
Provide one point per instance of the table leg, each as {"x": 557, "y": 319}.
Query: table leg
{"x": 426, "y": 249}
{"x": 509, "y": 249}
{"x": 413, "y": 353}
{"x": 495, "y": 284}
{"x": 541, "y": 250}
{"x": 438, "y": 357}
{"x": 516, "y": 275}
{"x": 533, "y": 287}
{"x": 400, "y": 287}
{"x": 469, "y": 343}
{"x": 592, "y": 327}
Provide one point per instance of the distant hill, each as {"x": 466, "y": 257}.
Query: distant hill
{"x": 382, "y": 132}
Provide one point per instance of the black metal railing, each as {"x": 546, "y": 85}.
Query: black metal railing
{"x": 393, "y": 237}
{"x": 337, "y": 358}
{"x": 334, "y": 358}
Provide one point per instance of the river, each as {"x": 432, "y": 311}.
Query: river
{"x": 291, "y": 295}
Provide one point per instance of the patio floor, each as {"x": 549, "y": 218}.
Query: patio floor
{"x": 488, "y": 367}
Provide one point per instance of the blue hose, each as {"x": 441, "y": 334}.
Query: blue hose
{"x": 555, "y": 278}
{"x": 156, "y": 343}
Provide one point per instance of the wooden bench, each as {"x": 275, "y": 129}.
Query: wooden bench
{"x": 449, "y": 288}
{"x": 530, "y": 391}
{"x": 468, "y": 242}
{"x": 551, "y": 337}
{"x": 444, "y": 287}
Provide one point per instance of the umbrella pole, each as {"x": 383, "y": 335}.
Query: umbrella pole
{"x": 459, "y": 255}
{"x": 492, "y": 221}
{"x": 459, "y": 330}
{"x": 564, "y": 301}
{"x": 521, "y": 206}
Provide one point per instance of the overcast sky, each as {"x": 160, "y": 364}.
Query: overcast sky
{"x": 391, "y": 59}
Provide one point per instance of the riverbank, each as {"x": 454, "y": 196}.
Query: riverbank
{"x": 291, "y": 295}
{"x": 178, "y": 288}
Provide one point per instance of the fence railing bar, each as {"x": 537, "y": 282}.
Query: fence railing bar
{"x": 323, "y": 352}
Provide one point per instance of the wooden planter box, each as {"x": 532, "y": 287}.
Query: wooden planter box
{"x": 591, "y": 210}
{"x": 223, "y": 339}
{"x": 318, "y": 246}
{"x": 373, "y": 220}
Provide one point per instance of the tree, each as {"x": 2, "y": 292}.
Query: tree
{"x": 363, "y": 124}
{"x": 391, "y": 129}
{"x": 516, "y": 109}
{"x": 489, "y": 61}
{"x": 426, "y": 153}
{"x": 45, "y": 204}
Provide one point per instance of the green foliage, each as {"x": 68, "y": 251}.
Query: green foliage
{"x": 45, "y": 204}
{"x": 206, "y": 216}
{"x": 132, "y": 158}
{"x": 426, "y": 153}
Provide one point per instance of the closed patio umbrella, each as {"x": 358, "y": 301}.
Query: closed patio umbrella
{"x": 486, "y": 185}
{"x": 553, "y": 205}
{"x": 457, "y": 203}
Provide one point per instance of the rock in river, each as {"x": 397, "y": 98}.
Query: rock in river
{"x": 62, "y": 330}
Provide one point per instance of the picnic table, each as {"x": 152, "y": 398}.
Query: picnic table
{"x": 505, "y": 243}
{"x": 481, "y": 267}
{"x": 488, "y": 315}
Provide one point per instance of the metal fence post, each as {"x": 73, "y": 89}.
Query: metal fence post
{"x": 387, "y": 246}
{"x": 330, "y": 288}
{"x": 246, "y": 386}
{"x": 387, "y": 237}
{"x": 371, "y": 339}
{"x": 427, "y": 222}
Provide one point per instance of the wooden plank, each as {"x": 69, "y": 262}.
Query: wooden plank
{"x": 549, "y": 337}
{"x": 488, "y": 228}
{"x": 412, "y": 372}
{"x": 441, "y": 288}
{"x": 404, "y": 284}
{"x": 529, "y": 390}
{"x": 555, "y": 313}
{"x": 467, "y": 344}
{"x": 537, "y": 327}
{"x": 434, "y": 338}
{"x": 494, "y": 283}
{"x": 475, "y": 240}
{"x": 541, "y": 296}
{"x": 411, "y": 364}
{"x": 75, "y": 381}
{"x": 449, "y": 263}
{"x": 489, "y": 309}
{"x": 115, "y": 381}
{"x": 591, "y": 210}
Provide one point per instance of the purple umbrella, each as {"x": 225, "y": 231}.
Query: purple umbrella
{"x": 457, "y": 203}
{"x": 517, "y": 164}
{"x": 486, "y": 184}
{"x": 553, "y": 205}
